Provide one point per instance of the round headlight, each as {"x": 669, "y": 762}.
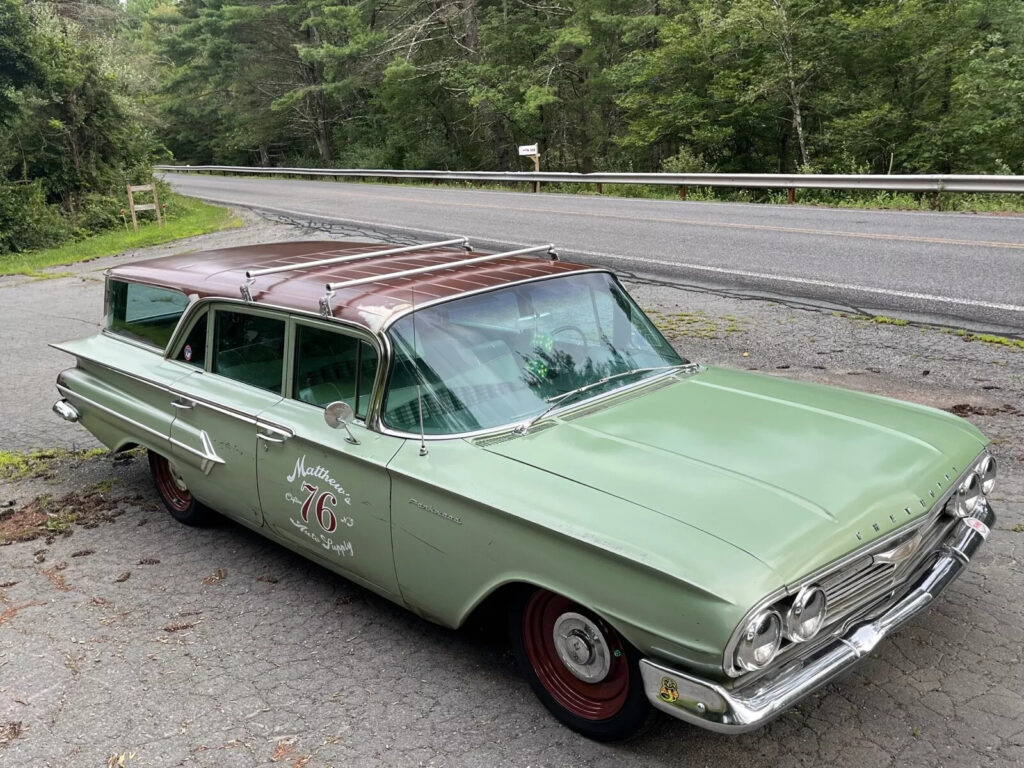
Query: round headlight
{"x": 987, "y": 473}
{"x": 760, "y": 641}
{"x": 805, "y": 617}
{"x": 967, "y": 496}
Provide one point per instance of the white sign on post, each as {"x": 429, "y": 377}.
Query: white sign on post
{"x": 528, "y": 150}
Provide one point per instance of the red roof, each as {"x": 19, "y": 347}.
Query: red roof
{"x": 221, "y": 273}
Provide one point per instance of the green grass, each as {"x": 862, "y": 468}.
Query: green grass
{"x": 186, "y": 217}
{"x": 988, "y": 338}
{"x": 15, "y": 465}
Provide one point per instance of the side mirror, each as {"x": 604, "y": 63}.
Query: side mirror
{"x": 337, "y": 415}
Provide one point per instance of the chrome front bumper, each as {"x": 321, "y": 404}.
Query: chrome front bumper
{"x": 746, "y": 707}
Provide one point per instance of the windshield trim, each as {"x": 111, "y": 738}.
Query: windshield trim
{"x": 516, "y": 426}
{"x": 394, "y": 318}
{"x": 375, "y": 415}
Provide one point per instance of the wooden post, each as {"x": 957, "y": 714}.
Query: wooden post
{"x": 791, "y": 195}
{"x": 131, "y": 207}
{"x": 154, "y": 206}
{"x": 682, "y": 192}
{"x": 536, "y": 169}
{"x": 600, "y": 188}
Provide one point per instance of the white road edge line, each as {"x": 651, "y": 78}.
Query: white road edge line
{"x": 659, "y": 262}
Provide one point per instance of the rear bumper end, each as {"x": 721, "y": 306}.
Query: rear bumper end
{"x": 66, "y": 410}
{"x": 745, "y": 707}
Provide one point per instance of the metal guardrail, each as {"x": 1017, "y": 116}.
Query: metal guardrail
{"x": 790, "y": 181}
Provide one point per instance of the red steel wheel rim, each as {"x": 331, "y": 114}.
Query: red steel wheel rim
{"x": 592, "y": 701}
{"x": 178, "y": 498}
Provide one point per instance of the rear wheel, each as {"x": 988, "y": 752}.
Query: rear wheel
{"x": 580, "y": 667}
{"x": 174, "y": 492}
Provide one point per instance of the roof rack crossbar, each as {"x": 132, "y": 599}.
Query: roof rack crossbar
{"x": 460, "y": 241}
{"x": 549, "y": 249}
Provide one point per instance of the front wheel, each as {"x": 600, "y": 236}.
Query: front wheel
{"x": 174, "y": 492}
{"x": 580, "y": 667}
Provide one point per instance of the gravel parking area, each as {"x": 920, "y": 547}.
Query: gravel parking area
{"x": 127, "y": 637}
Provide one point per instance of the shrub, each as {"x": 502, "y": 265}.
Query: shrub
{"x": 27, "y": 222}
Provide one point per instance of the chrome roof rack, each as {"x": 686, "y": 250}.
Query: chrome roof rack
{"x": 325, "y": 302}
{"x": 252, "y": 274}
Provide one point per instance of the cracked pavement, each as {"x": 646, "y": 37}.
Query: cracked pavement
{"x": 215, "y": 647}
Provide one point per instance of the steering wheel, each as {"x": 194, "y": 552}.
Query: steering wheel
{"x": 571, "y": 329}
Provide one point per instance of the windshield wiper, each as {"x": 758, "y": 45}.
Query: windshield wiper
{"x": 560, "y": 399}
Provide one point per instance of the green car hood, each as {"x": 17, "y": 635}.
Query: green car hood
{"x": 794, "y": 474}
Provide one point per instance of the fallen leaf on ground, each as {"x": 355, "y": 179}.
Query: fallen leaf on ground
{"x": 10, "y": 731}
{"x": 219, "y": 575}
{"x": 179, "y": 626}
{"x": 283, "y": 750}
{"x": 13, "y": 611}
{"x": 57, "y": 578}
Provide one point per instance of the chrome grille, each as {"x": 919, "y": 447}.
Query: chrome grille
{"x": 879, "y": 572}
{"x": 848, "y": 589}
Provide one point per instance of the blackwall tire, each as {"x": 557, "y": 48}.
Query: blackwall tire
{"x": 611, "y": 708}
{"x": 174, "y": 493}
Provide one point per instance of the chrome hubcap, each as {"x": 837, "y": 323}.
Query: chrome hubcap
{"x": 582, "y": 648}
{"x": 176, "y": 478}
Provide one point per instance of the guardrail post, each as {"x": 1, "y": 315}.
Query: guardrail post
{"x": 791, "y": 195}
{"x": 682, "y": 192}
{"x": 600, "y": 188}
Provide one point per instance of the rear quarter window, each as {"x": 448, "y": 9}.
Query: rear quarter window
{"x": 143, "y": 312}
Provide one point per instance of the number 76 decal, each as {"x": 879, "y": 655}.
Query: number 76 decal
{"x": 324, "y": 505}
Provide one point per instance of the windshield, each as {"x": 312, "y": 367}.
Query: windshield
{"x": 508, "y": 356}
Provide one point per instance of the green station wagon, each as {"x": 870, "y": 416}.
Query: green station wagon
{"x": 450, "y": 430}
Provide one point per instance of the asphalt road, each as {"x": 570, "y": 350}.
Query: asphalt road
{"x": 965, "y": 270}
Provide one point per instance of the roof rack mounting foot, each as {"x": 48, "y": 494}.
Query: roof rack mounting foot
{"x": 325, "y": 304}
{"x": 246, "y": 289}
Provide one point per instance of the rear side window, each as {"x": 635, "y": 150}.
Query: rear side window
{"x": 143, "y": 312}
{"x": 333, "y": 366}
{"x": 249, "y": 348}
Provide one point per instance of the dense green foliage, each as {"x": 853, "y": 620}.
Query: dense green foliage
{"x": 92, "y": 90}
{"x": 728, "y": 85}
{"x": 70, "y": 138}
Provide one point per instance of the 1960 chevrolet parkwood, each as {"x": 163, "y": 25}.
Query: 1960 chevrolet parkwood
{"x": 449, "y": 429}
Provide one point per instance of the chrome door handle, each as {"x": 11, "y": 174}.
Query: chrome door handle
{"x": 182, "y": 404}
{"x": 270, "y": 438}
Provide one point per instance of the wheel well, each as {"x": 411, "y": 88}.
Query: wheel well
{"x": 492, "y": 611}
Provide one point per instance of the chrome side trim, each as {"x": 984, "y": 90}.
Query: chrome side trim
{"x": 208, "y": 456}
{"x": 749, "y": 705}
{"x": 194, "y": 400}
